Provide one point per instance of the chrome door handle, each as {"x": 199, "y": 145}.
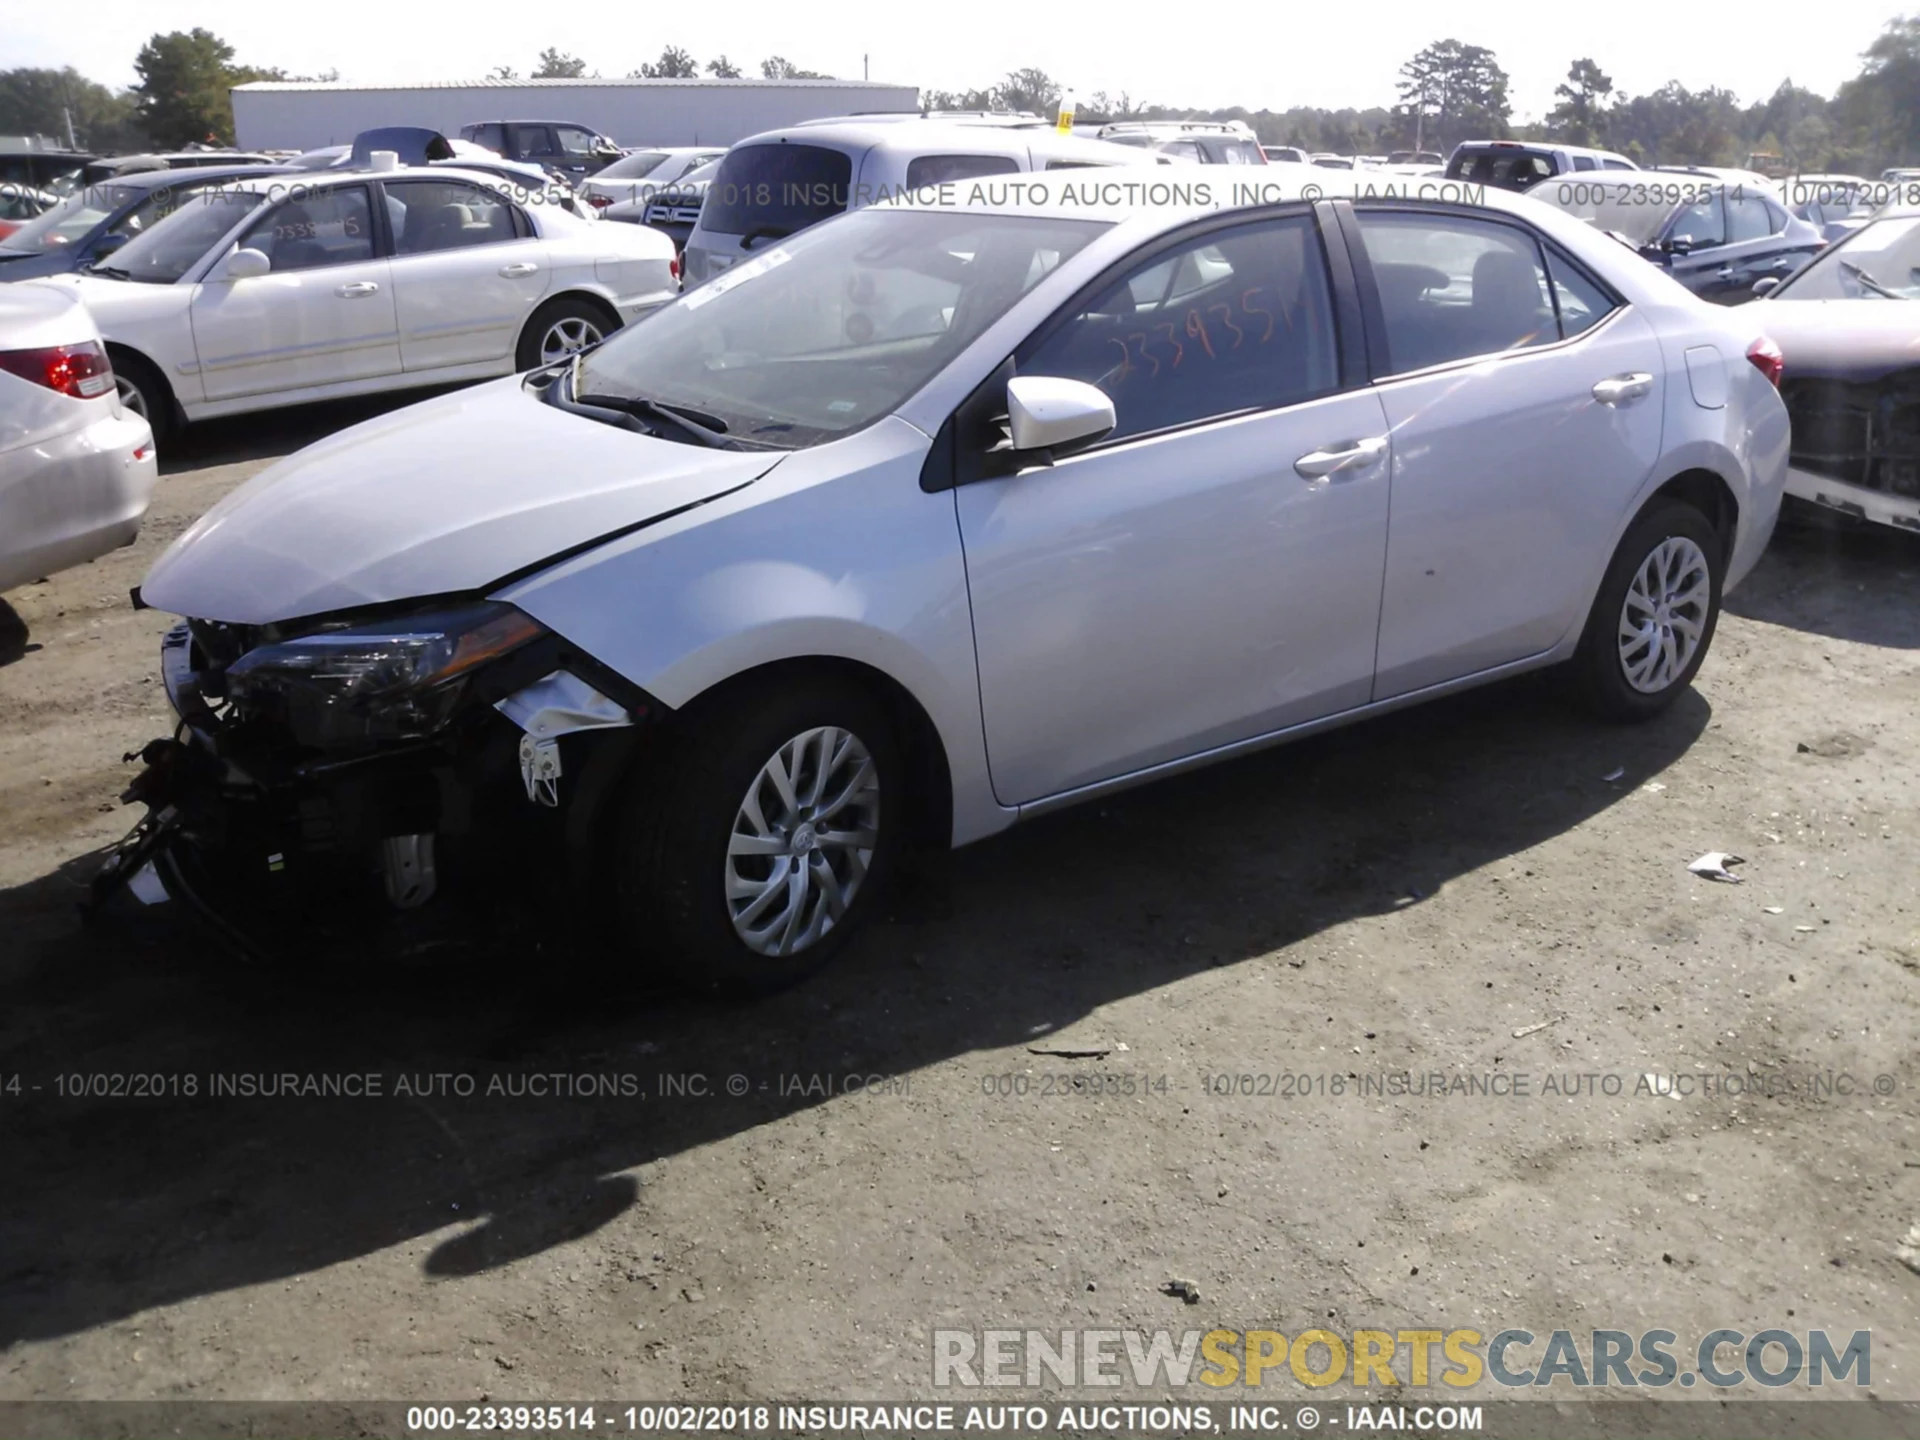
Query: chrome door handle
{"x": 357, "y": 289}
{"x": 1725, "y": 272}
{"x": 1618, "y": 389}
{"x": 518, "y": 269}
{"x": 1343, "y": 455}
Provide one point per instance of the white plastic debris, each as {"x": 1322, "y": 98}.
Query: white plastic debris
{"x": 1907, "y": 1252}
{"x": 1713, "y": 866}
{"x": 1615, "y": 774}
{"x": 1773, "y": 909}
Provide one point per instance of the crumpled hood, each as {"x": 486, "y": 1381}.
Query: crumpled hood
{"x": 446, "y": 496}
{"x": 1843, "y": 339}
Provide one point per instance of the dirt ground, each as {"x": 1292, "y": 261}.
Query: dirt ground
{"x": 1490, "y": 886}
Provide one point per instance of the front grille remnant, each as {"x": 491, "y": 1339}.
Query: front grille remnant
{"x": 1862, "y": 434}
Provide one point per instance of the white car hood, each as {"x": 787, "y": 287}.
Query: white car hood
{"x": 443, "y": 497}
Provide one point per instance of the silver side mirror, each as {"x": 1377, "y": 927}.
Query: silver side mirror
{"x": 1054, "y": 415}
{"x": 247, "y": 264}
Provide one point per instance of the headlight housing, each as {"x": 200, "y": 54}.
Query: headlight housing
{"x": 395, "y": 679}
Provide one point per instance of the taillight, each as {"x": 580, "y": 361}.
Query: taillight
{"x": 1767, "y": 359}
{"x": 673, "y": 267}
{"x": 81, "y": 371}
{"x": 600, "y": 202}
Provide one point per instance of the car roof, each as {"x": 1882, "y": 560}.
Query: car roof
{"x": 325, "y": 179}
{"x": 937, "y": 137}
{"x": 1183, "y": 191}
{"x": 575, "y": 123}
{"x": 195, "y": 175}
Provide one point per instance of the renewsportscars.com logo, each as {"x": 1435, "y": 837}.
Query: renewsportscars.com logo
{"x": 1459, "y": 1359}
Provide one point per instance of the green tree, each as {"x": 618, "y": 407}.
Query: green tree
{"x": 1450, "y": 92}
{"x": 184, "y": 79}
{"x": 778, "y": 67}
{"x": 557, "y": 65}
{"x": 957, "y": 100}
{"x": 1031, "y": 90}
{"x": 40, "y": 102}
{"x": 673, "y": 64}
{"x": 503, "y": 72}
{"x": 1581, "y": 116}
{"x": 723, "y": 69}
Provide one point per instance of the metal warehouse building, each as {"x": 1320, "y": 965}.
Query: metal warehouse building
{"x": 301, "y": 115}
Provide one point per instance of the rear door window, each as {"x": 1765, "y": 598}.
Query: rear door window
{"x": 777, "y": 189}
{"x": 1701, "y": 225}
{"x": 944, "y": 169}
{"x": 1747, "y": 218}
{"x": 1452, "y": 287}
{"x": 429, "y": 215}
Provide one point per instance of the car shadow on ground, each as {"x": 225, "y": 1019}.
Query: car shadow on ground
{"x": 117, "y": 1205}
{"x": 15, "y": 640}
{"x": 268, "y": 435}
{"x": 1827, "y": 574}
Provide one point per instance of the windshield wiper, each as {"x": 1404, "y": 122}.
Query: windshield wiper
{"x": 1869, "y": 282}
{"x": 645, "y": 409}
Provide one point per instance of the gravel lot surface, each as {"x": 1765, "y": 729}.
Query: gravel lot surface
{"x": 1492, "y": 886}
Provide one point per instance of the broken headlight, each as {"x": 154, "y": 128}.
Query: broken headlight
{"x": 398, "y": 679}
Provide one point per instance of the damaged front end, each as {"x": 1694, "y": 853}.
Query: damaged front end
{"x": 397, "y": 782}
{"x": 1856, "y": 445}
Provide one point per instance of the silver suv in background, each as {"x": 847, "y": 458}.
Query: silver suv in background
{"x": 1522, "y": 164}
{"x": 772, "y": 185}
{"x": 1206, "y": 142}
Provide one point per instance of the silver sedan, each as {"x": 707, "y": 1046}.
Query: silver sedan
{"x": 951, "y": 512}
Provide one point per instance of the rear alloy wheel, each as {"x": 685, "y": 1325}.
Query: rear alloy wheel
{"x": 1655, "y": 614}
{"x": 757, "y": 839}
{"x": 560, "y": 329}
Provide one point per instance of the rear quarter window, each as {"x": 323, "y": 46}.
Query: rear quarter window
{"x": 777, "y": 188}
{"x": 944, "y": 169}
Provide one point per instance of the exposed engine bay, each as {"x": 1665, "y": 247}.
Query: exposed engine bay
{"x": 1864, "y": 434}
{"x": 404, "y": 783}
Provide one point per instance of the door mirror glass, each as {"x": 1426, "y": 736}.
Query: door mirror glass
{"x": 1766, "y": 285}
{"x": 109, "y": 243}
{"x": 243, "y": 264}
{"x": 1058, "y": 416}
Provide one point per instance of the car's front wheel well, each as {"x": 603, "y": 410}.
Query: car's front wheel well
{"x": 1711, "y": 496}
{"x": 930, "y": 776}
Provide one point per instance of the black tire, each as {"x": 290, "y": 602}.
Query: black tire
{"x": 670, "y": 848}
{"x": 1600, "y": 667}
{"x": 143, "y": 391}
{"x": 567, "y": 310}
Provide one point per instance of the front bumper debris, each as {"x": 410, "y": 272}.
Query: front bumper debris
{"x": 469, "y": 837}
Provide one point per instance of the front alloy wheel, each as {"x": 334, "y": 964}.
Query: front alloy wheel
{"x": 758, "y": 830}
{"x": 803, "y": 841}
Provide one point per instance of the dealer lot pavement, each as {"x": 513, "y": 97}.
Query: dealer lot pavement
{"x": 1404, "y": 896}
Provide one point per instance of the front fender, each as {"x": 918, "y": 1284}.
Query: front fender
{"x": 837, "y": 552}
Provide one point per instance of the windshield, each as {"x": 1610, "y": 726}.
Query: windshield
{"x": 633, "y": 167}
{"x": 1635, "y": 210}
{"x": 174, "y": 246}
{"x": 72, "y": 220}
{"x": 836, "y": 327}
{"x": 1879, "y": 261}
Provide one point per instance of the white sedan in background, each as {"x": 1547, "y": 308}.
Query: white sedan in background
{"x": 76, "y": 467}
{"x": 279, "y": 290}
